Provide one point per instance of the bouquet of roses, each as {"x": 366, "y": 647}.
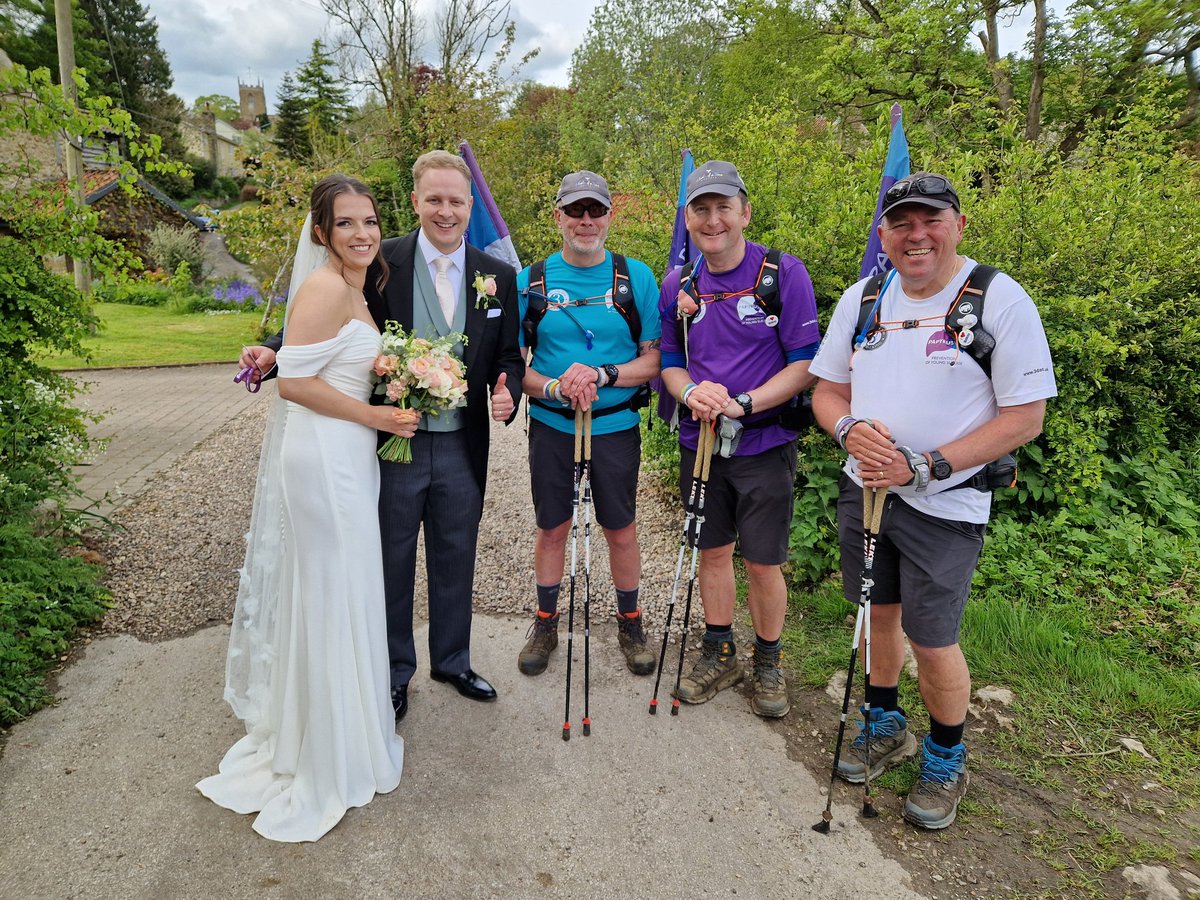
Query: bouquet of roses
{"x": 421, "y": 374}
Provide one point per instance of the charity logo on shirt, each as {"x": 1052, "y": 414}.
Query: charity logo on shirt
{"x": 939, "y": 342}
{"x": 749, "y": 311}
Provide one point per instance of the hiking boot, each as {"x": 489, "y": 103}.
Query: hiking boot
{"x": 543, "y": 638}
{"x": 716, "y": 669}
{"x": 632, "y": 639}
{"x": 933, "y": 803}
{"x": 891, "y": 744}
{"x": 769, "y": 690}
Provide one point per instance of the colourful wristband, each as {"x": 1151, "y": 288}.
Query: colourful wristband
{"x": 687, "y": 389}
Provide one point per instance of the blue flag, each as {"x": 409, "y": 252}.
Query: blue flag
{"x": 681, "y": 243}
{"x": 486, "y": 228}
{"x": 896, "y": 167}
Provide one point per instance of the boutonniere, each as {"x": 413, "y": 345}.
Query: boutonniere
{"x": 485, "y": 289}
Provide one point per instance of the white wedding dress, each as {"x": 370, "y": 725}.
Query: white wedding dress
{"x": 321, "y": 737}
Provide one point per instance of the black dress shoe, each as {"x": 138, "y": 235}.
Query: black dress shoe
{"x": 400, "y": 701}
{"x": 469, "y": 685}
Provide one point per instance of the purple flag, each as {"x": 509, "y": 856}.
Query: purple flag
{"x": 896, "y": 167}
{"x": 681, "y": 243}
{"x": 486, "y": 229}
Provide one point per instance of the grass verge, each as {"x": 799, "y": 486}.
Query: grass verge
{"x": 156, "y": 336}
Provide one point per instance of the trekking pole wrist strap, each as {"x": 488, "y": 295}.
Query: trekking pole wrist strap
{"x": 918, "y": 465}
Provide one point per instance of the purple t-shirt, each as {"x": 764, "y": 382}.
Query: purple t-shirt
{"x": 733, "y": 342}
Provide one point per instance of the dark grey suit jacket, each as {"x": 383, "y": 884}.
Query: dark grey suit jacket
{"x": 492, "y": 343}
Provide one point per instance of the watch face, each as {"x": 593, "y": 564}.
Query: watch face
{"x": 941, "y": 470}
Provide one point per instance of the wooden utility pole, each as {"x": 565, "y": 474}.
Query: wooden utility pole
{"x": 73, "y": 151}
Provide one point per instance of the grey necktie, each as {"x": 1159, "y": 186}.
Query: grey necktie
{"x": 441, "y": 286}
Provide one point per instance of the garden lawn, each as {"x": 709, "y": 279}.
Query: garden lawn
{"x": 155, "y": 336}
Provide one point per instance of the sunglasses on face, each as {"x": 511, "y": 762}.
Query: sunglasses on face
{"x": 576, "y": 210}
{"x": 927, "y": 186}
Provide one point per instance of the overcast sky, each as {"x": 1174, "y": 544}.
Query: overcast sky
{"x": 211, "y": 45}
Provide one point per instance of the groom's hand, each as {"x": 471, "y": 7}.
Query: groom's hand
{"x": 502, "y": 401}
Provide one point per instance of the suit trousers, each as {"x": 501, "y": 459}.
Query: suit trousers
{"x": 437, "y": 491}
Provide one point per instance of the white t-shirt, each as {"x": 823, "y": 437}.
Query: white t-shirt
{"x": 928, "y": 391}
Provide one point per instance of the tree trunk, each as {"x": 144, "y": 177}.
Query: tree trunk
{"x": 1001, "y": 79}
{"x": 1033, "y": 115}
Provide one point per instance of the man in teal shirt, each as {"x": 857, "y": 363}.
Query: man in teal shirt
{"x": 591, "y": 327}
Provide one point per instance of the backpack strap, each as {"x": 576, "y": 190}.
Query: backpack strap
{"x": 964, "y": 318}
{"x": 622, "y": 292}
{"x": 623, "y": 299}
{"x": 868, "y": 311}
{"x": 766, "y": 289}
{"x": 536, "y": 306}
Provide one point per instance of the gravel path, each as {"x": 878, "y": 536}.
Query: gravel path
{"x": 173, "y": 568}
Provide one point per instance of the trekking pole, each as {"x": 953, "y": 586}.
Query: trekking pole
{"x": 704, "y": 449}
{"x": 872, "y": 519}
{"x": 566, "y": 731}
{"x": 872, "y": 502}
{"x": 586, "y": 466}
{"x": 689, "y": 512}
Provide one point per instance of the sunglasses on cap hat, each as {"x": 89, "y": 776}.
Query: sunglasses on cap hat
{"x": 934, "y": 187}
{"x": 576, "y": 210}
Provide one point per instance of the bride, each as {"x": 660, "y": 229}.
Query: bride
{"x": 307, "y": 669}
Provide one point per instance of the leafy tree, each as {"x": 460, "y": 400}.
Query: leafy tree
{"x": 139, "y": 79}
{"x": 42, "y": 433}
{"x": 28, "y": 34}
{"x": 224, "y": 108}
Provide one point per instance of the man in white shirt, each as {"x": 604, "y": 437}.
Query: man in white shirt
{"x": 922, "y": 418}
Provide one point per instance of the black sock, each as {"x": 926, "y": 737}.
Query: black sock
{"x": 767, "y": 646}
{"x": 719, "y": 634}
{"x": 627, "y": 601}
{"x": 548, "y": 598}
{"x": 885, "y": 698}
{"x": 947, "y": 736}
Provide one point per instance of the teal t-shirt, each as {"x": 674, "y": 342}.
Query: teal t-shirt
{"x": 561, "y": 340}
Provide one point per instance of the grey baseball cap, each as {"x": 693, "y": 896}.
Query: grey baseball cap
{"x": 583, "y": 185}
{"x": 714, "y": 177}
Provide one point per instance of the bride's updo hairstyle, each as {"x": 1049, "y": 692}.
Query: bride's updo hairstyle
{"x": 321, "y": 208}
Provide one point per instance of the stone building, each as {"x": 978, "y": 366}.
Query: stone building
{"x": 215, "y": 140}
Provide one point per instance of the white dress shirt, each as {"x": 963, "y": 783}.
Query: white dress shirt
{"x": 458, "y": 262}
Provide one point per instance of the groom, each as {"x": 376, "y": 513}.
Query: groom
{"x": 430, "y": 290}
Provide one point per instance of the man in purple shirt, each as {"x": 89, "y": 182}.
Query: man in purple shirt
{"x": 741, "y": 360}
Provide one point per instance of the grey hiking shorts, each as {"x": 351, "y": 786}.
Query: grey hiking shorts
{"x": 921, "y": 562}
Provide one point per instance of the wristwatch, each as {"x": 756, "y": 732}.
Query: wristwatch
{"x": 743, "y": 400}
{"x": 941, "y": 466}
{"x": 611, "y": 371}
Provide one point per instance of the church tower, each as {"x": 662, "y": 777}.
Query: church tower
{"x": 253, "y": 101}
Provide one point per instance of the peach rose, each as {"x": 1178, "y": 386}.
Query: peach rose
{"x": 386, "y": 364}
{"x": 489, "y": 286}
{"x": 419, "y": 366}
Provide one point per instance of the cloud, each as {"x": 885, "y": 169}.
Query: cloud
{"x": 252, "y": 42}
{"x": 212, "y": 45}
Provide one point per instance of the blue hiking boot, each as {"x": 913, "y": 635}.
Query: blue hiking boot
{"x": 933, "y": 803}
{"x": 891, "y": 744}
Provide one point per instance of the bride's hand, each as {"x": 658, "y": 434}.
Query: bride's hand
{"x": 402, "y": 422}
